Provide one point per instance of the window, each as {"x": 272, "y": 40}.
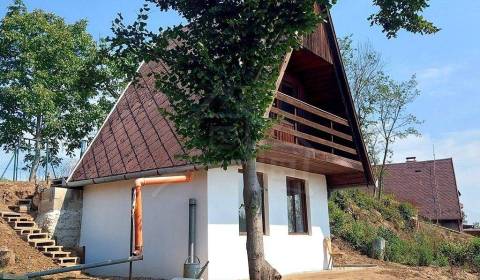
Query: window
{"x": 242, "y": 223}
{"x": 297, "y": 206}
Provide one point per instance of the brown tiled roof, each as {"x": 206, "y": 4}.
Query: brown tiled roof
{"x": 421, "y": 182}
{"x": 135, "y": 136}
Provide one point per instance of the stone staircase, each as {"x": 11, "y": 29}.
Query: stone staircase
{"x": 25, "y": 226}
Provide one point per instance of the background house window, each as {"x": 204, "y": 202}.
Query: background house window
{"x": 297, "y": 206}
{"x": 242, "y": 224}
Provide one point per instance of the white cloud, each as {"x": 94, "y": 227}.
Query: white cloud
{"x": 464, "y": 148}
{"x": 436, "y": 73}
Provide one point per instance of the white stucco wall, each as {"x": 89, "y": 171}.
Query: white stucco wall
{"x": 287, "y": 253}
{"x": 106, "y": 224}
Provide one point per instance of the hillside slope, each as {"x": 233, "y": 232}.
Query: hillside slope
{"x": 357, "y": 219}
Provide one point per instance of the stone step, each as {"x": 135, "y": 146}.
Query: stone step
{"x": 24, "y": 231}
{"x": 57, "y": 254}
{"x": 18, "y": 219}
{"x": 71, "y": 264}
{"x": 41, "y": 242}
{"x": 36, "y": 236}
{"x": 66, "y": 260}
{"x": 5, "y": 214}
{"x": 50, "y": 248}
{"x": 26, "y": 201}
{"x": 23, "y": 224}
{"x": 22, "y": 208}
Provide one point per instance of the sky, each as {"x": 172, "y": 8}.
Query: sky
{"x": 445, "y": 65}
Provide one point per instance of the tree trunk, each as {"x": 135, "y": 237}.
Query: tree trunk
{"x": 259, "y": 268}
{"x": 38, "y": 147}
{"x": 381, "y": 174}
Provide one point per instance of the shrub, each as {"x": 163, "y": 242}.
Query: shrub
{"x": 425, "y": 250}
{"x": 338, "y": 218}
{"x": 407, "y": 211}
{"x": 476, "y": 263}
{"x": 456, "y": 253}
{"x": 360, "y": 235}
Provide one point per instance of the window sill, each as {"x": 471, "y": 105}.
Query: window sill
{"x": 298, "y": 233}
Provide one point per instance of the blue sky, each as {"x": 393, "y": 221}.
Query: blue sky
{"x": 446, "y": 65}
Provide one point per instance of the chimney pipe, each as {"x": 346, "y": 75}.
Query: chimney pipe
{"x": 411, "y": 159}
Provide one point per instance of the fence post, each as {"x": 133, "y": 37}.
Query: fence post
{"x": 46, "y": 160}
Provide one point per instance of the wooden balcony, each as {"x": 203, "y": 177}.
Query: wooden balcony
{"x": 300, "y": 128}
{"x": 310, "y": 139}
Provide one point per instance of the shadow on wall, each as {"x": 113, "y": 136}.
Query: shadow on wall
{"x": 60, "y": 214}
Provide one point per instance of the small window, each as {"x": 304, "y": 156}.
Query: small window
{"x": 297, "y": 206}
{"x": 242, "y": 223}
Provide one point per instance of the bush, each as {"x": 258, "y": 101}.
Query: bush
{"x": 425, "y": 250}
{"x": 456, "y": 253}
{"x": 476, "y": 263}
{"x": 407, "y": 211}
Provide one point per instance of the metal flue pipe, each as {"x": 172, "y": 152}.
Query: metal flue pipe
{"x": 192, "y": 209}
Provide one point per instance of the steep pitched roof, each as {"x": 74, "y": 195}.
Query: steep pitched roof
{"x": 429, "y": 185}
{"x": 136, "y": 137}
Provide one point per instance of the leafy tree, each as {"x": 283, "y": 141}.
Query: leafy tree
{"x": 393, "y": 119}
{"x": 365, "y": 71}
{"x": 223, "y": 66}
{"x": 56, "y": 83}
{"x": 380, "y": 102}
{"x": 394, "y": 15}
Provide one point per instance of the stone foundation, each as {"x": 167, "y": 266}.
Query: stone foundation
{"x": 60, "y": 214}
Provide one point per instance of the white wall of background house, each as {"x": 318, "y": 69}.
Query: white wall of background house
{"x": 286, "y": 252}
{"x": 106, "y": 224}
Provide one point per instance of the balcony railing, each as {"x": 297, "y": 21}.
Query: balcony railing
{"x": 306, "y": 125}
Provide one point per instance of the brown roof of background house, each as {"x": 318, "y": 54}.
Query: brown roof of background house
{"x": 429, "y": 185}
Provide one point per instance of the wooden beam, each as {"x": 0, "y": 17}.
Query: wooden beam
{"x": 315, "y": 139}
{"x": 312, "y": 124}
{"x": 307, "y": 159}
{"x": 310, "y": 108}
{"x": 283, "y": 68}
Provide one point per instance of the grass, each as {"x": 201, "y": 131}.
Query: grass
{"x": 359, "y": 219}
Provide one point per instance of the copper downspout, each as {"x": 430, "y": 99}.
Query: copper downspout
{"x": 137, "y": 206}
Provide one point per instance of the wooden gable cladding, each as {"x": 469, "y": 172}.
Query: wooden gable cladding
{"x": 317, "y": 42}
{"x": 319, "y": 131}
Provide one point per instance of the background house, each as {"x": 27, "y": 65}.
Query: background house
{"x": 429, "y": 185}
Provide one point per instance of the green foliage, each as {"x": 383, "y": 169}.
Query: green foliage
{"x": 407, "y": 211}
{"x": 56, "y": 84}
{"x": 403, "y": 244}
{"x": 381, "y": 102}
{"x": 402, "y": 14}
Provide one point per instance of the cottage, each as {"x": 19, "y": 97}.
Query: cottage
{"x": 318, "y": 147}
{"x": 431, "y": 186}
